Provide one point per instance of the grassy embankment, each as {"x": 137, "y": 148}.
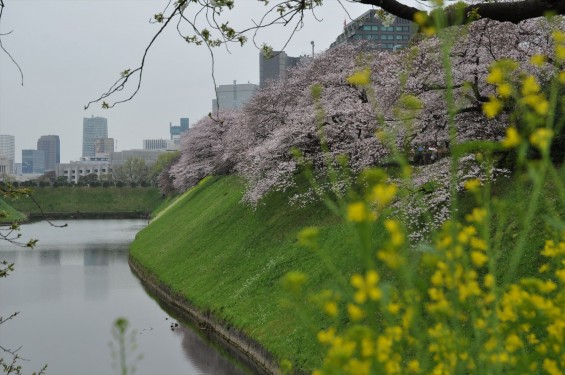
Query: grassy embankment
{"x": 11, "y": 213}
{"x": 90, "y": 200}
{"x": 228, "y": 259}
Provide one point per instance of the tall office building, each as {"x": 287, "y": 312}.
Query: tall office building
{"x": 92, "y": 128}
{"x": 233, "y": 96}
{"x": 369, "y": 26}
{"x": 51, "y": 146}
{"x": 7, "y": 152}
{"x": 275, "y": 67}
{"x": 33, "y": 161}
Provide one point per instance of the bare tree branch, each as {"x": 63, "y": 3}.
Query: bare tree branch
{"x": 514, "y": 12}
{"x": 4, "y": 49}
{"x": 120, "y": 84}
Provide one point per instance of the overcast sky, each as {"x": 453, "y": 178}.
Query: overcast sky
{"x": 72, "y": 50}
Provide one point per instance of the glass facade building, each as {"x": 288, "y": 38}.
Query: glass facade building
{"x": 51, "y": 146}
{"x": 391, "y": 35}
{"x": 33, "y": 161}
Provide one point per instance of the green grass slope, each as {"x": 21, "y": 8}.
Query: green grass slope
{"x": 227, "y": 258}
{"x": 11, "y": 213}
{"x": 90, "y": 199}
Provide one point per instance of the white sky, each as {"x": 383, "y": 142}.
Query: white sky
{"x": 72, "y": 50}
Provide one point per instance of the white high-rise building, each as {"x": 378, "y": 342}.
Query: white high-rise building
{"x": 92, "y": 128}
{"x": 233, "y": 96}
{"x": 7, "y": 152}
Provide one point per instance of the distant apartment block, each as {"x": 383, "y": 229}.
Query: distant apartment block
{"x": 33, "y": 161}
{"x": 103, "y": 147}
{"x": 51, "y": 146}
{"x": 92, "y": 128}
{"x": 233, "y": 96}
{"x": 369, "y": 27}
{"x": 8, "y": 151}
{"x": 159, "y": 144}
{"x": 275, "y": 67}
{"x": 75, "y": 169}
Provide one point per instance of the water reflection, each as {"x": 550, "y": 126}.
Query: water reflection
{"x": 196, "y": 349}
{"x": 50, "y": 257}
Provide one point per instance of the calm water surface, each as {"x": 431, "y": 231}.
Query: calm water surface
{"x": 69, "y": 291}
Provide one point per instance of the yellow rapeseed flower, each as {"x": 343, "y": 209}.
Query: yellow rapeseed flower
{"x": 367, "y": 347}
{"x": 429, "y": 31}
{"x": 360, "y": 78}
{"x": 366, "y": 287}
{"x": 480, "y": 323}
{"x": 468, "y": 289}
{"x": 530, "y": 86}
{"x": 552, "y": 250}
{"x": 437, "y": 278}
{"x": 391, "y": 258}
{"x": 543, "y": 268}
{"x": 562, "y": 77}
{"x": 478, "y": 244}
{"x": 477, "y": 215}
{"x": 504, "y": 90}
{"x": 383, "y": 194}
{"x": 551, "y": 367}
{"x": 489, "y": 281}
{"x": 541, "y": 138}
{"x": 358, "y": 212}
{"x": 358, "y": 367}
{"x": 538, "y": 103}
{"x": 396, "y": 235}
{"x": 496, "y": 75}
{"x": 472, "y": 184}
{"x": 492, "y": 108}
{"x": 512, "y": 138}
{"x": 393, "y": 308}
{"x": 327, "y": 336}
{"x": 421, "y": 18}
{"x": 293, "y": 281}
{"x": 558, "y": 36}
{"x": 560, "y": 275}
{"x": 560, "y": 52}
{"x": 478, "y": 258}
{"x": 414, "y": 366}
{"x": 355, "y": 312}
{"x": 308, "y": 237}
{"x": 537, "y": 60}
{"x": 384, "y": 348}
{"x": 331, "y": 309}
{"x": 513, "y": 343}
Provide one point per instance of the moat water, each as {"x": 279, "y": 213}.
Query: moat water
{"x": 69, "y": 291}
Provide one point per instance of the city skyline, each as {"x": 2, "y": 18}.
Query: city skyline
{"x": 64, "y": 70}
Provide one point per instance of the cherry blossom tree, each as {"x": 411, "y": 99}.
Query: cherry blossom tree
{"x": 203, "y": 151}
{"x": 285, "y": 126}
